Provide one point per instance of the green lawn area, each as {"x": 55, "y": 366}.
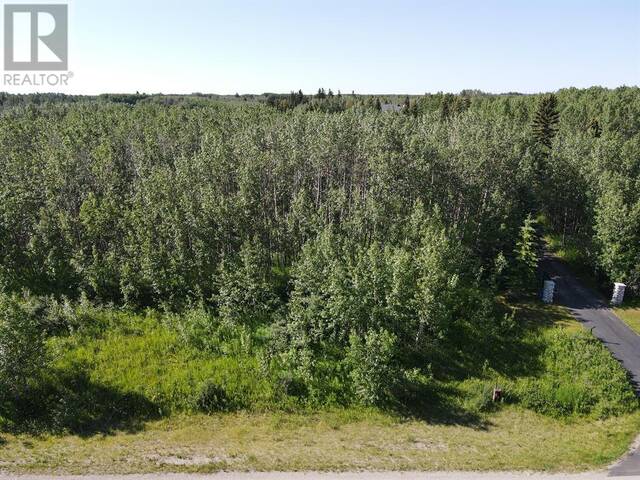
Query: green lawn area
{"x": 630, "y": 313}
{"x": 143, "y": 366}
{"x": 348, "y": 439}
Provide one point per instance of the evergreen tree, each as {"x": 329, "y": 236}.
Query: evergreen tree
{"x": 447, "y": 106}
{"x": 594, "y": 128}
{"x": 545, "y": 120}
{"x": 464, "y": 103}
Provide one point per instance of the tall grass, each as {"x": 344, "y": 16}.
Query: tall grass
{"x": 113, "y": 369}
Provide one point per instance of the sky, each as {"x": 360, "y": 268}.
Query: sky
{"x": 401, "y": 46}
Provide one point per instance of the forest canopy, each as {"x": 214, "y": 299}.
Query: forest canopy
{"x": 146, "y": 204}
{"x": 366, "y": 241}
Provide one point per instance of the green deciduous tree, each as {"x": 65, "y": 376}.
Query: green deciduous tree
{"x": 527, "y": 255}
{"x": 22, "y": 347}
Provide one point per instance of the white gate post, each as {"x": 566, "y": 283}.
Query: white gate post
{"x": 618, "y": 293}
{"x": 548, "y": 290}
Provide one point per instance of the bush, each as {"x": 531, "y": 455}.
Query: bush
{"x": 292, "y": 386}
{"x": 581, "y": 378}
{"x": 205, "y": 332}
{"x": 22, "y": 344}
{"x": 212, "y": 398}
{"x": 245, "y": 296}
{"x": 373, "y": 369}
{"x": 198, "y": 328}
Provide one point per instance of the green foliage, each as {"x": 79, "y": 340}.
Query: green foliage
{"x": 301, "y": 249}
{"x": 413, "y": 291}
{"x": 545, "y": 120}
{"x": 594, "y": 128}
{"x": 142, "y": 356}
{"x": 372, "y": 361}
{"x": 581, "y": 378}
{"x": 527, "y": 254}
{"x": 199, "y": 328}
{"x": 211, "y": 398}
{"x": 143, "y": 204}
{"x": 22, "y": 348}
{"x": 112, "y": 369}
{"x": 618, "y": 235}
{"x": 245, "y": 294}
{"x": 478, "y": 395}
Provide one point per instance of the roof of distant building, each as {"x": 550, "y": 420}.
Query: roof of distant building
{"x": 390, "y": 107}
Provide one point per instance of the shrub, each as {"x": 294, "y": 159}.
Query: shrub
{"x": 212, "y": 397}
{"x": 581, "y": 378}
{"x": 245, "y": 296}
{"x": 22, "y": 347}
{"x": 205, "y": 332}
{"x": 197, "y": 327}
{"x": 319, "y": 378}
{"x": 292, "y": 386}
{"x": 373, "y": 369}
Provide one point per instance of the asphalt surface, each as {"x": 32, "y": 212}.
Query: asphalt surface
{"x": 593, "y": 311}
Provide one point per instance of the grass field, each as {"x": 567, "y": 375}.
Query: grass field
{"x": 630, "y": 313}
{"x": 454, "y": 433}
{"x": 334, "y": 440}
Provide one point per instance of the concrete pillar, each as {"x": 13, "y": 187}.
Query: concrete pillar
{"x": 548, "y": 290}
{"x": 618, "y": 293}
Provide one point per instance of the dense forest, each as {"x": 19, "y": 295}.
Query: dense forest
{"x": 358, "y": 248}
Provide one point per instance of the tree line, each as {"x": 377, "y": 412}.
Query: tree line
{"x": 142, "y": 203}
{"x": 368, "y": 242}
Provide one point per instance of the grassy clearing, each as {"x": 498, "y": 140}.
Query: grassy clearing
{"x": 334, "y": 440}
{"x": 137, "y": 362}
{"x": 630, "y": 313}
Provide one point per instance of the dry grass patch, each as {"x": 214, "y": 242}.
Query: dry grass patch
{"x": 630, "y": 314}
{"x": 338, "y": 440}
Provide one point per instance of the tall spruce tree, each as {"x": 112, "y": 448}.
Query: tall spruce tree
{"x": 545, "y": 120}
{"x": 594, "y": 128}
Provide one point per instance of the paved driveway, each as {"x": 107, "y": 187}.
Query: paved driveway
{"x": 593, "y": 311}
